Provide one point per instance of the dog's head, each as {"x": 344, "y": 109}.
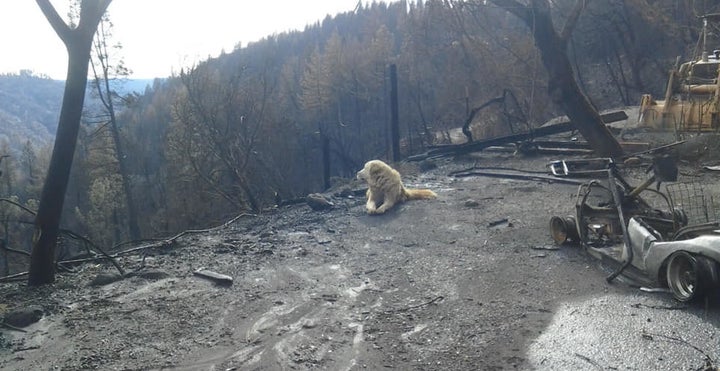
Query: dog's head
{"x": 370, "y": 169}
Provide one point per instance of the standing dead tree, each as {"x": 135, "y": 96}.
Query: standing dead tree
{"x": 562, "y": 86}
{"x": 104, "y": 72}
{"x": 78, "y": 41}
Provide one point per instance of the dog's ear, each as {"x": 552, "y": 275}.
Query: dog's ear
{"x": 374, "y": 168}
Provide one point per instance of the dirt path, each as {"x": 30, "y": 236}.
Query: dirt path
{"x": 468, "y": 281}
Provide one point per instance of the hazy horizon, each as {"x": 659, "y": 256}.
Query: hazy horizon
{"x": 161, "y": 38}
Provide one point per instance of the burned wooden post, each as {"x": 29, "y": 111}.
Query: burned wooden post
{"x": 1, "y": 158}
{"x": 326, "y": 160}
{"x": 394, "y": 114}
{"x": 325, "y": 153}
{"x": 6, "y": 264}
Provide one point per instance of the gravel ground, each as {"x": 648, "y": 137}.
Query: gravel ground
{"x": 469, "y": 281}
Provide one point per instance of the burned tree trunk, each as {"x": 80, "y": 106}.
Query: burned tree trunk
{"x": 47, "y": 222}
{"x": 107, "y": 98}
{"x": 562, "y": 86}
{"x": 394, "y": 114}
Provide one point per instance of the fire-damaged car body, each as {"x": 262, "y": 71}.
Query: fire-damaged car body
{"x": 664, "y": 239}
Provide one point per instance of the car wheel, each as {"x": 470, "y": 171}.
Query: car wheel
{"x": 563, "y": 230}
{"x": 684, "y": 276}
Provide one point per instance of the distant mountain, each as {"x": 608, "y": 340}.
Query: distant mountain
{"x": 30, "y": 106}
{"x": 134, "y": 86}
{"x": 29, "y": 109}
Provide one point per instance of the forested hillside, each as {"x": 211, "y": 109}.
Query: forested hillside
{"x": 237, "y": 132}
{"x": 29, "y": 109}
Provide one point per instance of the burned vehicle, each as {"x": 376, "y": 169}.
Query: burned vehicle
{"x": 663, "y": 239}
{"x": 692, "y": 94}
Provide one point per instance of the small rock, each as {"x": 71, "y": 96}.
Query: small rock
{"x": 426, "y": 165}
{"x": 308, "y": 324}
{"x": 223, "y": 249}
{"x": 318, "y": 202}
{"x": 345, "y": 192}
{"x": 24, "y": 317}
{"x": 471, "y": 203}
{"x": 545, "y": 247}
{"x": 153, "y": 274}
{"x": 498, "y": 222}
{"x": 104, "y": 278}
{"x": 219, "y": 278}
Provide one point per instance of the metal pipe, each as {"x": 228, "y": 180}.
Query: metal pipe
{"x": 642, "y": 187}
{"x": 626, "y": 237}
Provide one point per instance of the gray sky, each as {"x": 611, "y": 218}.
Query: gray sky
{"x": 158, "y": 36}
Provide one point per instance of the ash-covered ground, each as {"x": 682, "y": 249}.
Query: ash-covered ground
{"x": 469, "y": 281}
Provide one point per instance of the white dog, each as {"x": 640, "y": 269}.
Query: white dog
{"x": 385, "y": 189}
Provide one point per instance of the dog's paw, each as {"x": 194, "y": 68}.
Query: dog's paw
{"x": 378, "y": 211}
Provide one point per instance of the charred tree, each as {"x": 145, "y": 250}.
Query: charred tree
{"x": 394, "y": 114}
{"x": 562, "y": 86}
{"x": 102, "y": 72}
{"x": 78, "y": 41}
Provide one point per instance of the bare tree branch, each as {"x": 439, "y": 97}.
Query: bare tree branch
{"x": 519, "y": 10}
{"x": 88, "y": 11}
{"x": 57, "y": 23}
{"x": 572, "y": 19}
{"x": 18, "y": 205}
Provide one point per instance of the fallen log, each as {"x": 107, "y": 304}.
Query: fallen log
{"x": 220, "y": 279}
{"x": 465, "y": 148}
